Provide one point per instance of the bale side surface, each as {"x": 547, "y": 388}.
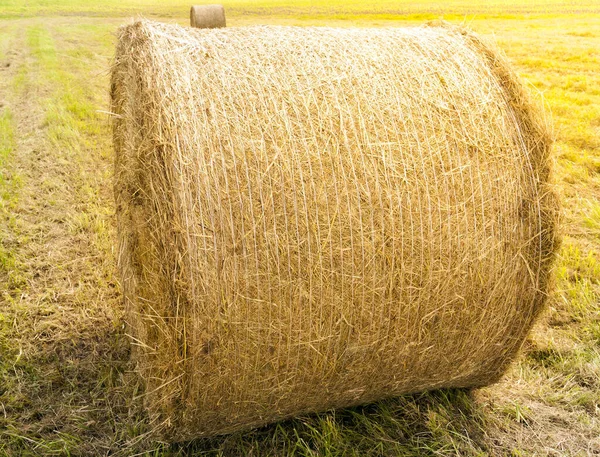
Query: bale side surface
{"x": 207, "y": 16}
{"x": 312, "y": 218}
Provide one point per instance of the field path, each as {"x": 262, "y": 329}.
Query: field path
{"x": 61, "y": 310}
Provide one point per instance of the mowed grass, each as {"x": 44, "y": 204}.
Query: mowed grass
{"x": 67, "y": 386}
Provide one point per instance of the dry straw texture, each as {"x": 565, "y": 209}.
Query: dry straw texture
{"x": 207, "y": 16}
{"x": 313, "y": 217}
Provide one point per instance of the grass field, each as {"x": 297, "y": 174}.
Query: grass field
{"x": 66, "y": 382}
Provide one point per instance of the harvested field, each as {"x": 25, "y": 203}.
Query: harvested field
{"x": 66, "y": 379}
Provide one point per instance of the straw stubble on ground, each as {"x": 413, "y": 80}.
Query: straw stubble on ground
{"x": 63, "y": 301}
{"x": 62, "y": 342}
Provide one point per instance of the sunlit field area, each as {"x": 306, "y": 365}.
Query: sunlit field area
{"x": 67, "y": 385}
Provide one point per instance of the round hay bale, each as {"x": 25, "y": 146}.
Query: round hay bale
{"x": 207, "y": 16}
{"x": 312, "y": 218}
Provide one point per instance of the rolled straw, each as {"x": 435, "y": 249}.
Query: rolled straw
{"x": 207, "y": 16}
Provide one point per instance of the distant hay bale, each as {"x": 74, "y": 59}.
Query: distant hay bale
{"x": 312, "y": 218}
{"x": 207, "y": 16}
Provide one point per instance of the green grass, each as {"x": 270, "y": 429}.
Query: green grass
{"x": 66, "y": 382}
{"x": 8, "y": 185}
{"x": 7, "y": 135}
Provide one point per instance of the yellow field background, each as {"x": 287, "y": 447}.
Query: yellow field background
{"x": 307, "y": 9}
{"x": 66, "y": 382}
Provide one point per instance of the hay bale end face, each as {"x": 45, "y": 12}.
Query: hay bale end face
{"x": 207, "y": 16}
{"x": 312, "y": 218}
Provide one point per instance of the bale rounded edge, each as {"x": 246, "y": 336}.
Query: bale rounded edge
{"x": 207, "y": 16}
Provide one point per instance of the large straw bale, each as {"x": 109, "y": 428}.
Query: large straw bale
{"x": 314, "y": 217}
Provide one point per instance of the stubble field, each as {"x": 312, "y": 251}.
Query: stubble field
{"x": 66, "y": 382}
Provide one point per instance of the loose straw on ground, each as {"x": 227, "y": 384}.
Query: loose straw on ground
{"x": 312, "y": 218}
